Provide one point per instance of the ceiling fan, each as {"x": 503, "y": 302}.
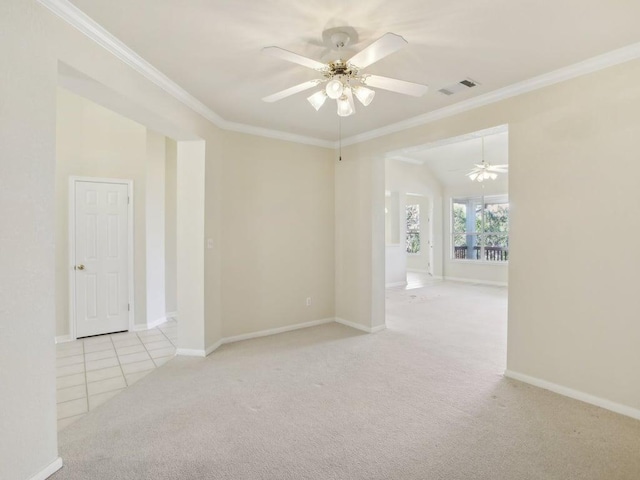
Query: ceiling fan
{"x": 342, "y": 79}
{"x": 485, "y": 171}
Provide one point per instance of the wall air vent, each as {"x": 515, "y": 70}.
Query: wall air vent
{"x": 459, "y": 87}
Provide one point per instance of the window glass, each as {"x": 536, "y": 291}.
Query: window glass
{"x": 480, "y": 228}
{"x": 413, "y": 229}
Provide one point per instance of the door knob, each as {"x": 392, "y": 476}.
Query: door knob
{"x": 79, "y": 267}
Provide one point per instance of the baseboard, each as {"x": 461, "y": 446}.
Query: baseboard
{"x": 212, "y": 348}
{"x": 417, "y": 270}
{"x": 378, "y": 328}
{"x": 396, "y": 284}
{"x": 64, "y": 339}
{"x": 191, "y": 352}
{"x": 362, "y": 328}
{"x": 188, "y": 352}
{"x": 149, "y": 326}
{"x": 49, "y": 470}
{"x": 575, "y": 394}
{"x": 275, "y": 331}
{"x": 157, "y": 323}
{"x": 171, "y": 314}
{"x": 437, "y": 277}
{"x": 477, "y": 282}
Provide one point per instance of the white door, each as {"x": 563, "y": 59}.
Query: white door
{"x": 101, "y": 258}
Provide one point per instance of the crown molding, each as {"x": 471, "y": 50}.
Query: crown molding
{"x": 85, "y": 24}
{"x": 89, "y": 27}
{"x": 600, "y": 62}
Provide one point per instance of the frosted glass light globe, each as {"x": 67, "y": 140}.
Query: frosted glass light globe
{"x": 334, "y": 89}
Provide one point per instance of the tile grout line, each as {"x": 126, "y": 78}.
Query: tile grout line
{"x": 120, "y": 364}
{"x": 165, "y": 336}
{"x": 145, "y": 349}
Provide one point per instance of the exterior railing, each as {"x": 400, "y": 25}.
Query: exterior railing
{"x": 492, "y": 254}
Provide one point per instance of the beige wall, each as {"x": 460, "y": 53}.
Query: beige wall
{"x": 28, "y": 442}
{"x": 154, "y": 226}
{"x": 278, "y": 237}
{"x": 571, "y": 313}
{"x": 171, "y": 280}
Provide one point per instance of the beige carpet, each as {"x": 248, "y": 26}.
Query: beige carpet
{"x": 424, "y": 399}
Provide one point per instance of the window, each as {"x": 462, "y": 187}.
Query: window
{"x": 413, "y": 229}
{"x": 480, "y": 228}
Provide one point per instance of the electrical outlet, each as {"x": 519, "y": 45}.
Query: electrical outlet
{"x": 308, "y": 301}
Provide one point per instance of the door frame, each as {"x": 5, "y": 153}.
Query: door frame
{"x": 72, "y": 246}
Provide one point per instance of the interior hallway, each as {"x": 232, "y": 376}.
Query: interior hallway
{"x": 425, "y": 398}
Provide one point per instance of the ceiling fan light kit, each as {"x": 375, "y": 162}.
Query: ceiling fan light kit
{"x": 485, "y": 171}
{"x": 343, "y": 79}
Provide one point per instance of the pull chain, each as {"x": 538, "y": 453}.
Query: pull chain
{"x": 339, "y": 139}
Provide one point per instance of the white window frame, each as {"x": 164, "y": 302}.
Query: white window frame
{"x": 480, "y": 235}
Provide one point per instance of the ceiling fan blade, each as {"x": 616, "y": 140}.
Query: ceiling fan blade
{"x": 385, "y": 45}
{"x": 294, "y": 58}
{"x": 291, "y": 91}
{"x": 399, "y": 86}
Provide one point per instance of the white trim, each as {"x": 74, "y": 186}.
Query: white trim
{"x": 171, "y": 314}
{"x": 575, "y": 394}
{"x": 86, "y": 25}
{"x": 418, "y": 270}
{"x": 362, "y": 328}
{"x": 72, "y": 243}
{"x": 212, "y": 348}
{"x": 63, "y": 339}
{"x": 475, "y": 281}
{"x": 82, "y": 22}
{"x": 275, "y": 331}
{"x": 156, "y": 323}
{"x": 594, "y": 64}
{"x": 396, "y": 284}
{"x": 49, "y": 470}
{"x": 190, "y": 352}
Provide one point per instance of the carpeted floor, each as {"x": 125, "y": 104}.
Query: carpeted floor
{"x": 424, "y": 399}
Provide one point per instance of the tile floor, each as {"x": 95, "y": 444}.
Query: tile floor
{"x": 92, "y": 370}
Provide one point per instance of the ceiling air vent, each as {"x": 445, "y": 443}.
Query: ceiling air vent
{"x": 458, "y": 87}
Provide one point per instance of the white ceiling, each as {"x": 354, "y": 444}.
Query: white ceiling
{"x": 211, "y": 48}
{"x": 450, "y": 162}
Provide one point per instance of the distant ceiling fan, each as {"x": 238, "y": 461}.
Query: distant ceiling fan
{"x": 344, "y": 79}
{"x": 485, "y": 171}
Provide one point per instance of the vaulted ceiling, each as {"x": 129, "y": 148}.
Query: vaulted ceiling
{"x": 212, "y": 49}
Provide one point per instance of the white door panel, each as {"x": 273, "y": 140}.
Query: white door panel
{"x": 101, "y": 258}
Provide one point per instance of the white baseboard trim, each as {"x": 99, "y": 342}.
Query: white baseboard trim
{"x": 191, "y": 352}
{"x": 378, "y": 328}
{"x": 437, "y": 277}
{"x": 478, "y": 282}
{"x": 396, "y": 284}
{"x": 248, "y": 336}
{"x": 362, "y": 328}
{"x": 212, "y": 348}
{"x": 575, "y": 394}
{"x": 157, "y": 322}
{"x": 149, "y": 326}
{"x": 49, "y": 470}
{"x": 171, "y": 314}
{"x": 275, "y": 331}
{"x": 417, "y": 270}
{"x": 64, "y": 339}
